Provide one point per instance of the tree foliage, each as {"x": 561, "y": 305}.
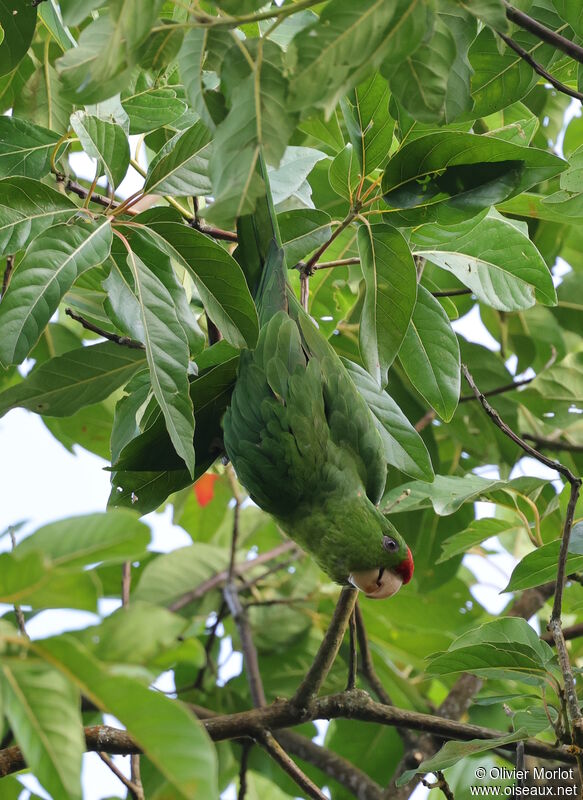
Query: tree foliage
{"x": 423, "y": 170}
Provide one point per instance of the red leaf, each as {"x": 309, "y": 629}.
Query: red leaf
{"x": 204, "y": 488}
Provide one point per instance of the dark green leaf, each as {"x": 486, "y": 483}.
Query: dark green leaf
{"x": 17, "y": 22}
{"x": 25, "y": 149}
{"x": 451, "y": 176}
{"x": 152, "y": 108}
{"x": 446, "y": 494}
{"x": 430, "y": 355}
{"x": 540, "y": 567}
{"x": 302, "y": 231}
{"x": 51, "y": 264}
{"x": 370, "y": 127}
{"x": 181, "y": 167}
{"x": 104, "y": 141}
{"x": 81, "y": 377}
{"x": 391, "y": 288}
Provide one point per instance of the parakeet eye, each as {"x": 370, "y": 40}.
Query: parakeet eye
{"x": 390, "y": 544}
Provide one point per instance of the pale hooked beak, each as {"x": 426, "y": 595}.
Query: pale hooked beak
{"x": 377, "y": 583}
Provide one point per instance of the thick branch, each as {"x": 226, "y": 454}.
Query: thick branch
{"x": 572, "y": 632}
{"x": 328, "y": 650}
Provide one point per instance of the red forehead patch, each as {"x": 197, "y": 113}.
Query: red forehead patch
{"x": 204, "y": 488}
{"x": 406, "y": 568}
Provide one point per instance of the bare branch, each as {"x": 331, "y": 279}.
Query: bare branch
{"x": 553, "y": 444}
{"x": 276, "y": 751}
{"x": 124, "y": 341}
{"x": 328, "y": 650}
{"x": 130, "y": 786}
{"x": 352, "y": 658}
{"x": 542, "y": 32}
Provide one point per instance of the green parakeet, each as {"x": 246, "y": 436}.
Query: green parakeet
{"x": 300, "y": 436}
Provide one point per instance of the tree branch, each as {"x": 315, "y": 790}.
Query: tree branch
{"x": 542, "y": 32}
{"x": 554, "y": 625}
{"x": 124, "y": 341}
{"x": 130, "y": 786}
{"x": 553, "y": 444}
{"x": 328, "y": 650}
{"x": 278, "y": 754}
{"x": 572, "y": 632}
{"x": 540, "y": 70}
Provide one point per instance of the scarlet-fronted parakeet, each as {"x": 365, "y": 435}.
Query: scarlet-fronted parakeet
{"x": 302, "y": 439}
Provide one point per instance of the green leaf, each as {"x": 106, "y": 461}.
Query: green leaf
{"x": 491, "y": 257}
{"x": 51, "y": 17}
{"x": 344, "y": 173}
{"x": 572, "y": 13}
{"x": 81, "y": 377}
{"x": 507, "y": 630}
{"x": 450, "y": 176}
{"x": 104, "y": 141}
{"x": 302, "y": 230}
{"x": 491, "y": 660}
{"x": 476, "y": 533}
{"x": 177, "y": 743}
{"x": 165, "y": 342}
{"x": 420, "y": 82}
{"x": 347, "y": 43}
{"x": 114, "y": 537}
{"x": 152, "y": 108}
{"x": 430, "y": 355}
{"x": 218, "y": 278}
{"x": 27, "y": 207}
{"x": 202, "y": 51}
{"x": 404, "y": 448}
{"x": 446, "y": 494}
{"x": 293, "y": 170}
{"x": 51, "y": 264}
{"x": 173, "y": 574}
{"x": 391, "y": 288}
{"x": 370, "y": 127}
{"x": 148, "y": 469}
{"x": 43, "y": 711}
{"x": 17, "y": 22}
{"x": 556, "y": 394}
{"x": 32, "y": 580}
{"x": 25, "y": 149}
{"x": 492, "y": 12}
{"x": 181, "y": 167}
{"x": 540, "y": 567}
{"x": 452, "y": 752}
{"x": 75, "y": 11}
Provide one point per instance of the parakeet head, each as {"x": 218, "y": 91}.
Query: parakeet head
{"x": 393, "y": 566}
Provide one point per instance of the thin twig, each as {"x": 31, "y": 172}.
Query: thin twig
{"x": 130, "y": 786}
{"x": 276, "y": 751}
{"x": 352, "y": 659}
{"x": 305, "y": 291}
{"x": 538, "y": 68}
{"x": 425, "y": 420}
{"x": 321, "y": 250}
{"x": 554, "y": 625}
{"x": 328, "y": 649}
{"x": 233, "y": 601}
{"x": 124, "y": 341}
{"x": 246, "y": 749}
{"x": 198, "y": 683}
{"x": 84, "y": 194}
{"x": 553, "y": 444}
{"x": 441, "y": 784}
{"x": 451, "y": 292}
{"x": 135, "y": 772}
{"x": 340, "y": 262}
{"x": 7, "y": 274}
{"x": 220, "y": 577}
{"x": 542, "y": 32}
{"x": 17, "y": 609}
{"x": 572, "y": 632}
{"x": 367, "y": 666}
{"x": 507, "y": 387}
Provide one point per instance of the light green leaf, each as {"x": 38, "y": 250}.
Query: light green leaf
{"x": 171, "y": 736}
{"x": 152, "y": 108}
{"x": 75, "y": 11}
{"x": 51, "y": 264}
{"x": 370, "y": 127}
{"x": 202, "y": 52}
{"x": 166, "y": 346}
{"x": 43, "y": 711}
{"x": 27, "y": 207}
{"x": 302, "y": 230}
{"x": 540, "y": 567}
{"x": 404, "y": 447}
{"x": 447, "y": 177}
{"x": 25, "y": 149}
{"x": 476, "y": 533}
{"x": 294, "y": 168}
{"x": 104, "y": 141}
{"x": 17, "y": 22}
{"x": 218, "y": 278}
{"x": 114, "y": 537}
{"x": 446, "y": 494}
{"x": 572, "y": 12}
{"x": 492, "y": 12}
{"x": 491, "y": 660}
{"x": 452, "y": 752}
{"x": 50, "y": 14}
{"x": 391, "y": 288}
{"x": 181, "y": 167}
{"x": 344, "y": 172}
{"x": 556, "y": 394}
{"x": 430, "y": 355}
{"x": 491, "y": 257}
{"x": 81, "y": 377}
{"x": 173, "y": 574}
